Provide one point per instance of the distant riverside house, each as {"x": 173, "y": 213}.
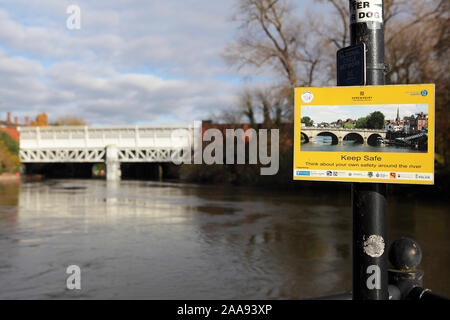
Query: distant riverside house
{"x": 222, "y": 127}
{"x": 393, "y": 126}
{"x": 412, "y": 124}
{"x": 208, "y": 124}
{"x": 10, "y": 127}
{"x": 12, "y": 131}
{"x": 409, "y": 125}
{"x": 339, "y": 123}
{"x": 422, "y": 121}
{"x": 350, "y": 121}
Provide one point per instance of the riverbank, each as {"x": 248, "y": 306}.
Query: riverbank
{"x": 249, "y": 177}
{"x": 9, "y": 177}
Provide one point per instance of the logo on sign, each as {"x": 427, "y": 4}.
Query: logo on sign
{"x": 424, "y": 93}
{"x": 303, "y": 173}
{"x": 307, "y": 97}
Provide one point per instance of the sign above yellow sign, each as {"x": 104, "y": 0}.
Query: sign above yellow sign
{"x": 351, "y": 65}
{"x": 365, "y": 134}
{"x": 366, "y": 11}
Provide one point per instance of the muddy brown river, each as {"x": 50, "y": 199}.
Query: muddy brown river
{"x": 162, "y": 240}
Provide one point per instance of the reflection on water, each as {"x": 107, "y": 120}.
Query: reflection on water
{"x": 149, "y": 240}
{"x": 325, "y": 143}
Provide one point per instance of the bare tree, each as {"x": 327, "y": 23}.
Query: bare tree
{"x": 271, "y": 36}
{"x": 268, "y": 37}
{"x": 337, "y": 31}
{"x": 69, "y": 121}
{"x": 273, "y": 39}
{"x": 417, "y": 50}
{"x": 260, "y": 105}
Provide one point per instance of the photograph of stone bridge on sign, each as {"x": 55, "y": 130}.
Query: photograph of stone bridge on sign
{"x": 364, "y": 128}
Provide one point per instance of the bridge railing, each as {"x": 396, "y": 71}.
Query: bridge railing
{"x": 72, "y": 137}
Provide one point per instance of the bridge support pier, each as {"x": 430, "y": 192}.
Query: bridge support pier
{"x": 160, "y": 172}
{"x": 113, "y": 172}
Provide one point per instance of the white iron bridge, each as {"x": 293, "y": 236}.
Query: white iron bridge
{"x": 111, "y": 145}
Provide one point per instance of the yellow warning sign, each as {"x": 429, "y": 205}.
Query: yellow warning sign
{"x": 365, "y": 134}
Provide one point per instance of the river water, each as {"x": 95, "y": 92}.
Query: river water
{"x": 160, "y": 240}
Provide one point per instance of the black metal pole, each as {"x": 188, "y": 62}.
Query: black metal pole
{"x": 370, "y": 276}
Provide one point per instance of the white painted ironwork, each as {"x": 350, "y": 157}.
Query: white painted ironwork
{"x": 89, "y": 144}
{"x": 61, "y": 155}
{"x": 145, "y": 155}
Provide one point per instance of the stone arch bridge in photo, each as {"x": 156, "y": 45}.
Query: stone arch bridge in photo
{"x": 362, "y": 136}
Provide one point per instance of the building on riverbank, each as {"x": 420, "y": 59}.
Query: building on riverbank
{"x": 409, "y": 125}
{"x": 10, "y": 127}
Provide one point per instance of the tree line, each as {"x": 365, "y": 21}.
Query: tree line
{"x": 42, "y": 121}
{"x": 375, "y": 120}
{"x": 9, "y": 154}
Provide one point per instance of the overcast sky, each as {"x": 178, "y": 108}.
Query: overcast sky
{"x": 132, "y": 62}
{"x": 333, "y": 113}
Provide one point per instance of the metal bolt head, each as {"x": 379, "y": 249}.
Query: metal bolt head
{"x": 405, "y": 254}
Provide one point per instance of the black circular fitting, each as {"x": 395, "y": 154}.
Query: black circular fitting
{"x": 405, "y": 254}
